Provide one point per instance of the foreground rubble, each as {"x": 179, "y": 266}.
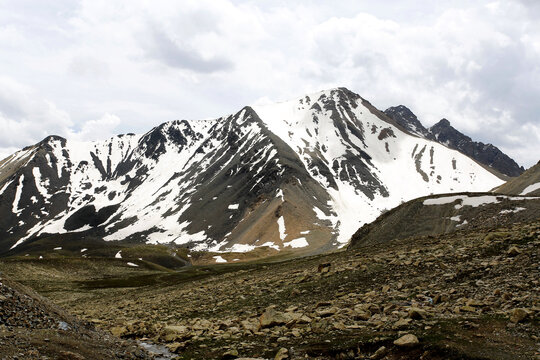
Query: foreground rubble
{"x": 466, "y": 295}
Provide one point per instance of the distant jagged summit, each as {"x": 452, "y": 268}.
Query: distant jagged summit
{"x": 407, "y": 119}
{"x": 443, "y": 132}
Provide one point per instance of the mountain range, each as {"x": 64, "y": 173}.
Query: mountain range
{"x": 300, "y": 175}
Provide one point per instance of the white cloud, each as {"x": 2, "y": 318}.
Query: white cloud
{"x": 475, "y": 63}
{"x": 26, "y": 118}
{"x": 101, "y": 128}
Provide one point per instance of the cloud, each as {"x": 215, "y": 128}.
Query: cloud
{"x": 98, "y": 129}
{"x": 475, "y": 63}
{"x": 161, "y": 47}
{"x": 26, "y": 118}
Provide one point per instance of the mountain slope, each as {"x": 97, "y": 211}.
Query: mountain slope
{"x": 442, "y": 214}
{"x": 445, "y": 134}
{"x": 527, "y": 183}
{"x": 300, "y": 175}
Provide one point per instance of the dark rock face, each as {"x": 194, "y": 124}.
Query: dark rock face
{"x": 485, "y": 153}
{"x": 406, "y": 118}
{"x": 444, "y": 133}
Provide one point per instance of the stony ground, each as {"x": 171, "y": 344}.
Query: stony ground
{"x": 467, "y": 295}
{"x": 33, "y": 328}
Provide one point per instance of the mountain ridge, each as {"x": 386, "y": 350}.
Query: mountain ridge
{"x": 292, "y": 176}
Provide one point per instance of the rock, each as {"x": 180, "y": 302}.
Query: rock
{"x": 231, "y": 354}
{"x": 408, "y": 340}
{"x": 474, "y": 302}
{"x": 324, "y": 268}
{"x": 175, "y": 329}
{"x": 380, "y": 353}
{"x": 251, "y": 325}
{"x": 322, "y": 304}
{"x": 71, "y": 355}
{"x": 271, "y": 318}
{"x": 417, "y": 313}
{"x": 119, "y": 331}
{"x": 327, "y": 312}
{"x": 304, "y": 319}
{"x": 401, "y": 323}
{"x": 362, "y": 315}
{"x": 518, "y": 315}
{"x": 513, "y": 251}
{"x": 283, "y": 353}
{"x": 176, "y": 347}
{"x": 295, "y": 292}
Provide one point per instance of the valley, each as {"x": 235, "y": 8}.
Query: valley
{"x": 464, "y": 295}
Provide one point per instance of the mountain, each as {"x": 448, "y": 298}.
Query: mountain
{"x": 445, "y": 134}
{"x": 527, "y": 183}
{"x": 300, "y": 175}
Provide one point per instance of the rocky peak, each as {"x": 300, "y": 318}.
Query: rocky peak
{"x": 408, "y": 120}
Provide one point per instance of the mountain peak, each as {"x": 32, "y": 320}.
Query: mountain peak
{"x": 443, "y": 122}
{"x": 408, "y": 120}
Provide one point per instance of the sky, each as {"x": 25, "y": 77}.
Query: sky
{"x": 87, "y": 70}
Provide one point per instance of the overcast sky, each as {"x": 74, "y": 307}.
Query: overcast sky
{"x": 91, "y": 69}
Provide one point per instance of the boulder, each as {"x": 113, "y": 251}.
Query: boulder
{"x": 408, "y": 340}
{"x": 283, "y": 353}
{"x": 518, "y": 315}
{"x": 271, "y": 318}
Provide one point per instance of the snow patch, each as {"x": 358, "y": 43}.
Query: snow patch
{"x": 474, "y": 201}
{"x": 132, "y": 264}
{"x": 528, "y": 189}
{"x": 5, "y": 186}
{"x": 281, "y": 225}
{"x": 41, "y": 184}
{"x": 443, "y": 200}
{"x": 297, "y": 243}
{"x": 233, "y": 206}
{"x": 270, "y": 244}
{"x": 241, "y": 248}
{"x": 18, "y": 196}
{"x": 508, "y": 211}
{"x": 219, "y": 259}
{"x": 118, "y": 255}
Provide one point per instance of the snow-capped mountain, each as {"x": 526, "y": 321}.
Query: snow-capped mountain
{"x": 303, "y": 174}
{"x": 446, "y": 134}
